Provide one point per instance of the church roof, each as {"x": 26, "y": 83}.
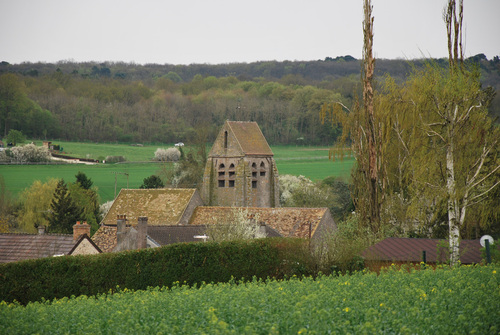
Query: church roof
{"x": 162, "y": 206}
{"x": 287, "y": 221}
{"x": 250, "y": 137}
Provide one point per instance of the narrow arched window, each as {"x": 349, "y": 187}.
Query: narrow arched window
{"x": 262, "y": 169}
{"x": 225, "y": 139}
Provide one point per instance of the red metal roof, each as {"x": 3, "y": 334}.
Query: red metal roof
{"x": 395, "y": 249}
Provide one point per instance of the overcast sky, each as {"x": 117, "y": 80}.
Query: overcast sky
{"x": 229, "y": 31}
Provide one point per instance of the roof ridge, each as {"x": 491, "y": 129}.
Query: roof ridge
{"x": 236, "y": 137}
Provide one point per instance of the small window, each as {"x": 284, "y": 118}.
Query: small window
{"x": 231, "y": 173}
{"x": 262, "y": 173}
{"x": 254, "y": 174}
{"x": 221, "y": 174}
{"x": 225, "y": 140}
{"x": 254, "y": 166}
{"x": 231, "y": 167}
{"x": 231, "y": 183}
{"x": 222, "y": 183}
{"x": 262, "y": 165}
{"x": 254, "y": 183}
{"x": 222, "y": 166}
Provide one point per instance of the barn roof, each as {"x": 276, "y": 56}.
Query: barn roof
{"x": 395, "y": 249}
{"x": 250, "y": 138}
{"x": 163, "y": 206}
{"x": 17, "y": 247}
{"x": 286, "y": 221}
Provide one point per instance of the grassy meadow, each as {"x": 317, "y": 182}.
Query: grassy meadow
{"x": 311, "y": 162}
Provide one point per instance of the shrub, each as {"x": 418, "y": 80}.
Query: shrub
{"x": 236, "y": 227}
{"x": 29, "y": 153}
{"x": 340, "y": 250}
{"x": 104, "y": 209}
{"x": 167, "y": 155}
{"x": 115, "y": 159}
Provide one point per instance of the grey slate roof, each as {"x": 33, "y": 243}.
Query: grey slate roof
{"x": 17, "y": 247}
{"x": 175, "y": 234}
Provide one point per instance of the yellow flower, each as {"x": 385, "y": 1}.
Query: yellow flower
{"x": 494, "y": 271}
{"x": 347, "y": 309}
{"x": 381, "y": 304}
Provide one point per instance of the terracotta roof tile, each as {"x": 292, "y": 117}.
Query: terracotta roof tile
{"x": 288, "y": 222}
{"x": 250, "y": 138}
{"x": 105, "y": 238}
{"x": 163, "y": 206}
{"x": 16, "y": 247}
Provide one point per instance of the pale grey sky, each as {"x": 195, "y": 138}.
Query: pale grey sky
{"x": 229, "y": 31}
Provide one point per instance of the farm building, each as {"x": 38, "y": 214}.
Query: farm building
{"x": 399, "y": 251}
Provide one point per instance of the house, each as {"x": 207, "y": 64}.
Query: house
{"x": 310, "y": 223}
{"x": 240, "y": 169}
{"x": 162, "y": 206}
{"x": 17, "y": 247}
{"x": 399, "y": 251}
{"x": 151, "y": 207}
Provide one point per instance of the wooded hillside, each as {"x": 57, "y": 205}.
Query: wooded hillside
{"x": 169, "y": 103}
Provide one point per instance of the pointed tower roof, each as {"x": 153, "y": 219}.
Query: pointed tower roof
{"x": 249, "y": 137}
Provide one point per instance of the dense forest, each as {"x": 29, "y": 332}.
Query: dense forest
{"x": 127, "y": 102}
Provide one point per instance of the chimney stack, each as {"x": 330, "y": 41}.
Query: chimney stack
{"x": 142, "y": 230}
{"x": 80, "y": 229}
{"x": 121, "y": 221}
{"x": 41, "y": 230}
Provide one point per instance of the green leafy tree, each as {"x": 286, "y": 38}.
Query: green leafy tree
{"x": 11, "y": 95}
{"x": 152, "y": 181}
{"x": 35, "y": 205}
{"x": 15, "y": 137}
{"x": 63, "y": 211}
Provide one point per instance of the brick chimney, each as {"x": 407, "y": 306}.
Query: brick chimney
{"x": 121, "y": 221}
{"x": 41, "y": 230}
{"x": 80, "y": 229}
{"x": 142, "y": 230}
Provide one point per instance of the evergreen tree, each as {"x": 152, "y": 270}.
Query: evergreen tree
{"x": 83, "y": 180}
{"x": 63, "y": 211}
{"x": 152, "y": 181}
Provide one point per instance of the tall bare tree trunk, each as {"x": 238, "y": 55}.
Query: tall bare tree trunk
{"x": 453, "y": 207}
{"x": 369, "y": 65}
{"x": 455, "y": 54}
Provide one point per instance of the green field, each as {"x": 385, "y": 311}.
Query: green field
{"x": 311, "y": 162}
{"x": 460, "y": 300}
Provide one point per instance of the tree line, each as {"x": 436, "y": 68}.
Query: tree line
{"x": 166, "y": 103}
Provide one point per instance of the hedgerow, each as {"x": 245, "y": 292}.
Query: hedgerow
{"x": 189, "y": 263}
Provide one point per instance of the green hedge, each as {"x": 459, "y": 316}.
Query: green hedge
{"x": 189, "y": 263}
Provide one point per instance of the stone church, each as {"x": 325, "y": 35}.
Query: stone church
{"x": 240, "y": 169}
